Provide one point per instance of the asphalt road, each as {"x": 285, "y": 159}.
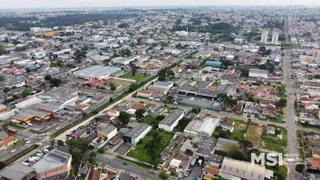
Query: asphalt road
{"x": 134, "y": 170}
{"x": 290, "y": 117}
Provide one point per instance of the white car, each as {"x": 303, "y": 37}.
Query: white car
{"x": 24, "y": 163}
{"x": 13, "y": 151}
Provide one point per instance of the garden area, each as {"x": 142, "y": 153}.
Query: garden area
{"x": 150, "y": 147}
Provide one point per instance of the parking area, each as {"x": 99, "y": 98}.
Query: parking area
{"x": 30, "y": 161}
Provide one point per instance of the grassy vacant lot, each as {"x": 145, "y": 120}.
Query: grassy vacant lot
{"x": 137, "y": 77}
{"x": 253, "y": 134}
{"x": 238, "y": 131}
{"x": 141, "y": 152}
{"x": 279, "y": 145}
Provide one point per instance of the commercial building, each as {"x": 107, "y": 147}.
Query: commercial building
{"x": 97, "y": 72}
{"x": 203, "y": 127}
{"x": 106, "y": 131}
{"x": 138, "y": 132}
{"x": 208, "y": 126}
{"x": 54, "y": 165}
{"x": 235, "y": 169}
{"x": 202, "y": 90}
{"x": 29, "y": 115}
{"x": 171, "y": 121}
{"x": 124, "y": 61}
{"x": 204, "y": 146}
{"x": 58, "y": 98}
{"x": 258, "y": 73}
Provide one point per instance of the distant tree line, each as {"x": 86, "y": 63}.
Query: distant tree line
{"x": 24, "y": 24}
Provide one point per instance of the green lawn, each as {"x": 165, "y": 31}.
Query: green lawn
{"x": 215, "y": 83}
{"x": 238, "y": 133}
{"x": 137, "y": 77}
{"x": 141, "y": 153}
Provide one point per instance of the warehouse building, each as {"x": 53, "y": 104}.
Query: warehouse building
{"x": 235, "y": 169}
{"x": 171, "y": 121}
{"x": 97, "y": 72}
{"x": 138, "y": 132}
{"x": 54, "y": 165}
{"x": 17, "y": 171}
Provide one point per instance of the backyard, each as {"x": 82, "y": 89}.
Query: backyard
{"x": 253, "y": 134}
{"x": 141, "y": 151}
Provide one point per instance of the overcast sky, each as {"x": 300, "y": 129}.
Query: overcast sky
{"x": 106, "y": 3}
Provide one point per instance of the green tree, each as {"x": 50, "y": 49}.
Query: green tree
{"x": 139, "y": 113}
{"x": 196, "y": 110}
{"x": 100, "y": 150}
{"x": 124, "y": 118}
{"x": 60, "y": 143}
{"x": 112, "y": 87}
{"x": 55, "y": 82}
{"x": 133, "y": 68}
{"x": 93, "y": 154}
{"x": 300, "y": 168}
{"x": 6, "y": 89}
{"x": 246, "y": 145}
{"x": 47, "y": 77}
{"x": 52, "y": 142}
{"x": 26, "y": 92}
{"x": 282, "y": 102}
{"x": 163, "y": 175}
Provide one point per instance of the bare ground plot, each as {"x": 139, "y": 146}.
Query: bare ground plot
{"x": 120, "y": 82}
{"x": 254, "y": 134}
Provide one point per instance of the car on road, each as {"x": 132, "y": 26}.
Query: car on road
{"x": 124, "y": 163}
{"x": 13, "y": 151}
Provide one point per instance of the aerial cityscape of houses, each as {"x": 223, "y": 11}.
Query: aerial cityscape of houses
{"x": 160, "y": 93}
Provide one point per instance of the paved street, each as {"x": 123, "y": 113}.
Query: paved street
{"x": 63, "y": 135}
{"x": 115, "y": 163}
{"x": 290, "y": 117}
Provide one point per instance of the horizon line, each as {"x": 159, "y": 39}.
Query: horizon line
{"x": 161, "y": 6}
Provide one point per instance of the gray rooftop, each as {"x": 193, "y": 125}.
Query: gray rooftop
{"x": 205, "y": 145}
{"x": 172, "y": 117}
{"x": 137, "y": 130}
{"x": 18, "y": 171}
{"x": 258, "y": 71}
{"x": 97, "y": 70}
{"x": 51, "y": 161}
{"x": 107, "y": 128}
{"x": 3, "y": 134}
{"x": 60, "y": 94}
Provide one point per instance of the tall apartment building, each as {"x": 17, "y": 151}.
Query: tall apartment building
{"x": 264, "y": 36}
{"x": 275, "y": 37}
